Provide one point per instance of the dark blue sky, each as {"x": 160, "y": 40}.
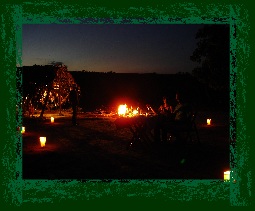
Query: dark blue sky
{"x": 118, "y": 48}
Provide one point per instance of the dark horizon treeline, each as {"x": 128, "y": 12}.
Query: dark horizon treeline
{"x": 111, "y": 89}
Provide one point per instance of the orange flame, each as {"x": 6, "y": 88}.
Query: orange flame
{"x": 122, "y": 109}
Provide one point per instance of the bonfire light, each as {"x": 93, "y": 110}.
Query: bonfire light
{"x": 135, "y": 112}
{"x": 42, "y": 141}
{"x": 122, "y": 109}
{"x": 208, "y": 121}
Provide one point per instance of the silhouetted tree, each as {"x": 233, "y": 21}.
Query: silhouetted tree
{"x": 46, "y": 86}
{"x": 212, "y": 55}
{"x": 58, "y": 89}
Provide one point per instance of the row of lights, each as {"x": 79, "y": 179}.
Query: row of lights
{"x": 43, "y": 142}
{"x": 42, "y": 139}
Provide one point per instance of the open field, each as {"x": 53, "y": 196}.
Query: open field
{"x": 95, "y": 149}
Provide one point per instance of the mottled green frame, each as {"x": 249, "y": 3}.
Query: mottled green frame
{"x": 19, "y": 192}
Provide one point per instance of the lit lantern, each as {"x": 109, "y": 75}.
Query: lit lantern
{"x": 209, "y": 121}
{"x": 226, "y": 175}
{"x": 42, "y": 141}
{"x": 52, "y": 119}
{"x": 23, "y": 130}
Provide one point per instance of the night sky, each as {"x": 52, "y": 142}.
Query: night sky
{"x": 164, "y": 49}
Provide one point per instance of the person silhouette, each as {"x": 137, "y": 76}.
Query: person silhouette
{"x": 162, "y": 115}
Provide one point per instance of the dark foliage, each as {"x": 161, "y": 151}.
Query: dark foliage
{"x": 212, "y": 55}
{"x": 111, "y": 89}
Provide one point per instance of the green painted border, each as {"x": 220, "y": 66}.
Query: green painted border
{"x": 18, "y": 192}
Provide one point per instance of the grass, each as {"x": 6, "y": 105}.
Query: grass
{"x": 95, "y": 149}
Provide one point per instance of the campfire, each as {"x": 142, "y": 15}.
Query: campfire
{"x": 125, "y": 111}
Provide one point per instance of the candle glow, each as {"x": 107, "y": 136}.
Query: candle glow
{"x": 23, "y": 130}
{"x": 209, "y": 121}
{"x": 227, "y": 175}
{"x": 42, "y": 141}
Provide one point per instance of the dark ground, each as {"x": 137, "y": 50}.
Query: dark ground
{"x": 95, "y": 149}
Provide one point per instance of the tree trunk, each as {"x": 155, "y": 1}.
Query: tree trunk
{"x": 46, "y": 100}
